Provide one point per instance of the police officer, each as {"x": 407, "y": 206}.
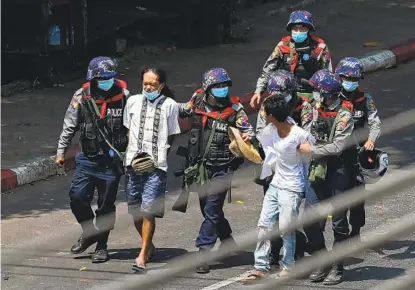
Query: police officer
{"x": 99, "y": 103}
{"x": 212, "y": 111}
{"x": 350, "y": 70}
{"x": 331, "y": 123}
{"x": 300, "y": 53}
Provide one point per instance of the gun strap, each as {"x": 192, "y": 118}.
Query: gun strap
{"x": 212, "y": 132}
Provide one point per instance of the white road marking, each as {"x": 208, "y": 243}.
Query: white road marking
{"x": 227, "y": 282}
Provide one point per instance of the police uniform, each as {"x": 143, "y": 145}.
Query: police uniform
{"x": 94, "y": 169}
{"x": 220, "y": 162}
{"x": 364, "y": 112}
{"x": 338, "y": 123}
{"x": 301, "y": 59}
{"x": 333, "y": 132}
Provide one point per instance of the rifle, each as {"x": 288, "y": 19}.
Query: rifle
{"x": 194, "y": 172}
{"x": 183, "y": 199}
{"x": 108, "y": 149}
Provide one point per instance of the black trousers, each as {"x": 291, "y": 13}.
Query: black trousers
{"x": 90, "y": 174}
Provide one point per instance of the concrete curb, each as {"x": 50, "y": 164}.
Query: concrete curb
{"x": 391, "y": 57}
{"x": 43, "y": 168}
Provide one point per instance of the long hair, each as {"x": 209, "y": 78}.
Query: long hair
{"x": 166, "y": 91}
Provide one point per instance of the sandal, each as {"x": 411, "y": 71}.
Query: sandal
{"x": 255, "y": 276}
{"x": 139, "y": 269}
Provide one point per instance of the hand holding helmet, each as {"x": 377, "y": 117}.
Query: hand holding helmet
{"x": 372, "y": 165}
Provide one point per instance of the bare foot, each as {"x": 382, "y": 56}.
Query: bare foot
{"x": 140, "y": 260}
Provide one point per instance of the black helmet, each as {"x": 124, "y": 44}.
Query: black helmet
{"x": 373, "y": 164}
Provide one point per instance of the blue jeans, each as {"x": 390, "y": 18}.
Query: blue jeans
{"x": 145, "y": 193}
{"x": 284, "y": 206}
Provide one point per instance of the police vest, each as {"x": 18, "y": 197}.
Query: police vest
{"x": 218, "y": 153}
{"x": 360, "y": 111}
{"x": 322, "y": 128}
{"x": 302, "y": 62}
{"x": 111, "y": 116}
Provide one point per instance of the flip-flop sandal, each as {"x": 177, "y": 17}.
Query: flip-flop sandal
{"x": 139, "y": 269}
{"x": 253, "y": 277}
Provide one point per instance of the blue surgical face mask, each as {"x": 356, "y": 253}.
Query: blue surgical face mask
{"x": 106, "y": 85}
{"x": 299, "y": 36}
{"x": 151, "y": 96}
{"x": 350, "y": 86}
{"x": 220, "y": 92}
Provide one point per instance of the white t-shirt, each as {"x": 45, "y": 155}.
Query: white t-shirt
{"x": 291, "y": 170}
{"x": 169, "y": 125}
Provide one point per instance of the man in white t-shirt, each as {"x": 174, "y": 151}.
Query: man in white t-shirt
{"x": 152, "y": 119}
{"x": 280, "y": 140}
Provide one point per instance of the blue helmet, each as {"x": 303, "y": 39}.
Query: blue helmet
{"x": 282, "y": 84}
{"x": 328, "y": 84}
{"x": 215, "y": 76}
{"x": 301, "y": 17}
{"x": 281, "y": 81}
{"x": 101, "y": 67}
{"x": 350, "y": 67}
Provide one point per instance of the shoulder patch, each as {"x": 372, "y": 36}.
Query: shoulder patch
{"x": 242, "y": 121}
{"x": 276, "y": 51}
{"x": 74, "y": 104}
{"x": 306, "y": 115}
{"x": 344, "y": 120}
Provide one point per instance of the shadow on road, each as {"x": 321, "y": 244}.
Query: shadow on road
{"x": 408, "y": 253}
{"x": 161, "y": 255}
{"x": 372, "y": 273}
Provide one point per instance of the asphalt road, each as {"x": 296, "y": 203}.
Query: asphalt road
{"x": 39, "y": 215}
{"x": 38, "y": 228}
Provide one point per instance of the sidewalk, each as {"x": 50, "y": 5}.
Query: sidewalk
{"x": 32, "y": 121}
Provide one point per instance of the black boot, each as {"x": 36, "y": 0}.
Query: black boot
{"x": 87, "y": 239}
{"x": 355, "y": 232}
{"x": 319, "y": 274}
{"x": 101, "y": 253}
{"x": 203, "y": 267}
{"x": 230, "y": 242}
{"x": 82, "y": 244}
{"x": 335, "y": 276}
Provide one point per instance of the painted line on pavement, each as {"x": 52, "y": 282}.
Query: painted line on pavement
{"x": 227, "y": 282}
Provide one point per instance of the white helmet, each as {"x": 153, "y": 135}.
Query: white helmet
{"x": 373, "y": 165}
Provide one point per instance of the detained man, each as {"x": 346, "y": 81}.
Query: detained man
{"x": 280, "y": 140}
{"x": 152, "y": 119}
